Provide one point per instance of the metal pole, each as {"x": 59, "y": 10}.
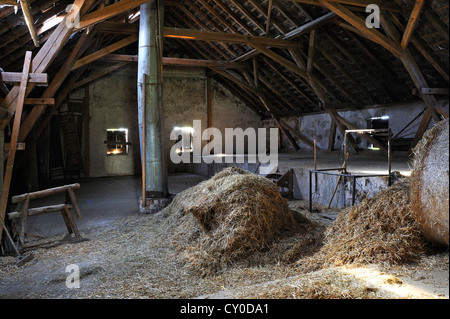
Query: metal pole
{"x": 149, "y": 99}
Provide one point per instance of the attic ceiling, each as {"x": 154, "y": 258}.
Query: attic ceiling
{"x": 280, "y": 57}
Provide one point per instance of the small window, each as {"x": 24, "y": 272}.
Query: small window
{"x": 117, "y": 141}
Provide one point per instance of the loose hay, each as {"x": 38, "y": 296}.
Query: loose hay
{"x": 381, "y": 229}
{"x": 227, "y": 218}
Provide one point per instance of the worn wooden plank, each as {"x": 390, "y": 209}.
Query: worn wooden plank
{"x": 412, "y": 22}
{"x": 38, "y": 100}
{"x": 29, "y": 20}
{"x": 15, "y": 77}
{"x": 101, "y": 53}
{"x": 99, "y": 75}
{"x": 199, "y": 35}
{"x": 44, "y": 193}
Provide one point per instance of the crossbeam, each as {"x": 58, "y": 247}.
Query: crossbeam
{"x": 15, "y": 77}
{"x": 185, "y": 34}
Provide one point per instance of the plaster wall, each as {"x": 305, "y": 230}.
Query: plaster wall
{"x": 317, "y": 126}
{"x": 113, "y": 104}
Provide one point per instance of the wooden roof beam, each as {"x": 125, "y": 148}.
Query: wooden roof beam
{"x": 412, "y": 22}
{"x": 108, "y": 12}
{"x": 357, "y": 22}
{"x": 101, "y": 53}
{"x": 186, "y": 34}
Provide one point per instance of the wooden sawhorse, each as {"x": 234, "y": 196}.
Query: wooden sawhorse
{"x": 23, "y": 211}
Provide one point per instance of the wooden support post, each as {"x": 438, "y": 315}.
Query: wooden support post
{"x": 87, "y": 120}
{"x": 73, "y": 200}
{"x": 332, "y": 135}
{"x": 14, "y": 138}
{"x": 422, "y": 128}
{"x": 72, "y": 225}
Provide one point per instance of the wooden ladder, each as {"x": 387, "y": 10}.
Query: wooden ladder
{"x": 14, "y": 140}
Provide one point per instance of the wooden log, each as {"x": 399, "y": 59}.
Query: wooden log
{"x": 73, "y": 201}
{"x": 69, "y": 216}
{"x": 47, "y": 209}
{"x": 14, "y": 78}
{"x": 44, "y": 193}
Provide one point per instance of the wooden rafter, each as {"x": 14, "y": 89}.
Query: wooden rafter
{"x": 186, "y": 34}
{"x": 28, "y": 16}
{"x": 83, "y": 43}
{"x": 106, "y": 50}
{"x": 108, "y": 12}
{"x": 413, "y": 69}
{"x": 412, "y": 22}
{"x": 42, "y": 60}
{"x": 357, "y": 22}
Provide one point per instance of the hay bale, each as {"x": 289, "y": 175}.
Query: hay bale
{"x": 381, "y": 229}
{"x": 430, "y": 183}
{"x": 228, "y": 217}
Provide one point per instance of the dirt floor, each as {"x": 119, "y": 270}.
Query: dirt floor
{"x": 132, "y": 257}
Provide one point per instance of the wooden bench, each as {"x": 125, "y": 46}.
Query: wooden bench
{"x": 23, "y": 210}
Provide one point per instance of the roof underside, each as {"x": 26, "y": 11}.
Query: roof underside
{"x": 352, "y": 70}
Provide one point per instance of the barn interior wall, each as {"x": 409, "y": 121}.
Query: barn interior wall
{"x": 317, "y": 126}
{"x": 113, "y": 104}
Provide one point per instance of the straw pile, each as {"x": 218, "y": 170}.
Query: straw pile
{"x": 381, "y": 229}
{"x": 226, "y": 218}
{"x": 430, "y": 183}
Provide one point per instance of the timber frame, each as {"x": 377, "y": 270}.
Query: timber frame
{"x": 282, "y": 58}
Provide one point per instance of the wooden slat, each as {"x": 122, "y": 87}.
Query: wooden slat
{"x": 20, "y": 146}
{"x": 29, "y": 20}
{"x": 101, "y": 53}
{"x": 311, "y": 51}
{"x": 38, "y": 100}
{"x": 435, "y": 91}
{"x": 412, "y": 22}
{"x": 99, "y": 75}
{"x": 309, "y": 26}
{"x": 14, "y": 139}
{"x": 15, "y": 77}
{"x": 198, "y": 35}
